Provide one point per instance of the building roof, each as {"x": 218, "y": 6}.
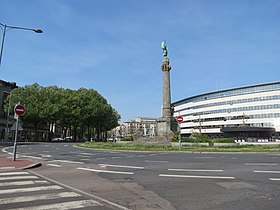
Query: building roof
{"x": 4, "y": 83}
{"x": 219, "y": 92}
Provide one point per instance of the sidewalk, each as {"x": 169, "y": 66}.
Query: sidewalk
{"x": 7, "y": 164}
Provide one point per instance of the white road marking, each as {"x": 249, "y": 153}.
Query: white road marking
{"x": 194, "y": 170}
{"x": 66, "y": 161}
{"x": 45, "y": 156}
{"x": 82, "y": 192}
{"x": 204, "y": 157}
{"x": 100, "y": 158}
{"x": 274, "y": 179}
{"x": 261, "y": 164}
{"x": 38, "y": 197}
{"x": 21, "y": 183}
{"x": 105, "y": 171}
{"x": 198, "y": 177}
{"x": 17, "y": 177}
{"x": 116, "y": 157}
{"x": 64, "y": 205}
{"x": 8, "y": 167}
{"x": 273, "y": 172}
{"x": 54, "y": 165}
{"x": 84, "y": 153}
{"x": 30, "y": 189}
{"x": 34, "y": 157}
{"x": 13, "y": 173}
{"x": 121, "y": 166}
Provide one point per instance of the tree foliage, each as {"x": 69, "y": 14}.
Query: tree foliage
{"x": 83, "y": 112}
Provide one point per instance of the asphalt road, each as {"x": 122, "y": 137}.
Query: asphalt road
{"x": 160, "y": 180}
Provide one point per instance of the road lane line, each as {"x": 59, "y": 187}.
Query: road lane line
{"x": 121, "y": 166}
{"x": 49, "y": 196}
{"x": 45, "y": 155}
{"x": 54, "y": 165}
{"x": 274, "y": 179}
{"x": 194, "y": 170}
{"x": 198, "y": 177}
{"x": 30, "y": 189}
{"x": 105, "y": 171}
{"x": 261, "y": 164}
{"x": 84, "y": 153}
{"x": 204, "y": 157}
{"x": 273, "y": 172}
{"x": 66, "y": 161}
{"x": 33, "y": 157}
{"x": 64, "y": 205}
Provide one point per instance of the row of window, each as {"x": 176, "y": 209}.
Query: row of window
{"x": 233, "y": 125}
{"x": 231, "y": 102}
{"x": 231, "y": 92}
{"x": 238, "y": 109}
{"x": 241, "y": 117}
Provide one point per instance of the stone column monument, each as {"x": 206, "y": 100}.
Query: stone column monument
{"x": 165, "y": 122}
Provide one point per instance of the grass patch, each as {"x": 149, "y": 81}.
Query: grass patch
{"x": 186, "y": 148}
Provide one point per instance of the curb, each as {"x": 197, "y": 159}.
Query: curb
{"x": 33, "y": 165}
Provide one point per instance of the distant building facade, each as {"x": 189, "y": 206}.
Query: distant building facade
{"x": 146, "y": 126}
{"x": 28, "y": 133}
{"x": 5, "y": 90}
{"x": 249, "y": 106}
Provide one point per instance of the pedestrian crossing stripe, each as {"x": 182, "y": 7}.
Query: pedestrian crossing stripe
{"x": 13, "y": 173}
{"x": 48, "y": 196}
{"x": 30, "y": 189}
{"x": 64, "y": 205}
{"x": 22, "y": 183}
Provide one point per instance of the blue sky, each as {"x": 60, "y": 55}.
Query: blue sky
{"x": 113, "y": 46}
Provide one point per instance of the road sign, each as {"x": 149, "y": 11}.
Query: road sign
{"x": 13, "y": 128}
{"x": 179, "y": 119}
{"x": 19, "y": 109}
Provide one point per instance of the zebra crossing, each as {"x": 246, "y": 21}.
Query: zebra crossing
{"x": 22, "y": 190}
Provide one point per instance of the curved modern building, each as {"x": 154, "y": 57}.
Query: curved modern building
{"x": 255, "y": 106}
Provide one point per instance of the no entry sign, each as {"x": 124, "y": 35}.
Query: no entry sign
{"x": 19, "y": 109}
{"x": 179, "y": 119}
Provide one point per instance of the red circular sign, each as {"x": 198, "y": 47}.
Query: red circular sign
{"x": 19, "y": 109}
{"x": 179, "y": 119}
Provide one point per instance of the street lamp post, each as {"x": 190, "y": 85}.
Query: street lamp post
{"x": 5, "y": 27}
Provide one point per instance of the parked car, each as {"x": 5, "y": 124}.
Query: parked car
{"x": 57, "y": 139}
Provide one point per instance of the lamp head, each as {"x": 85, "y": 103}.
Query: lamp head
{"x": 38, "y": 31}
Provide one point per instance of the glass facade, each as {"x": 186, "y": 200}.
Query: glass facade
{"x": 257, "y": 105}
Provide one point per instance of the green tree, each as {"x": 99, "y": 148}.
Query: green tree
{"x": 81, "y": 111}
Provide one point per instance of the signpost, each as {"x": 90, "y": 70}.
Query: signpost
{"x": 19, "y": 111}
{"x": 179, "y": 120}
